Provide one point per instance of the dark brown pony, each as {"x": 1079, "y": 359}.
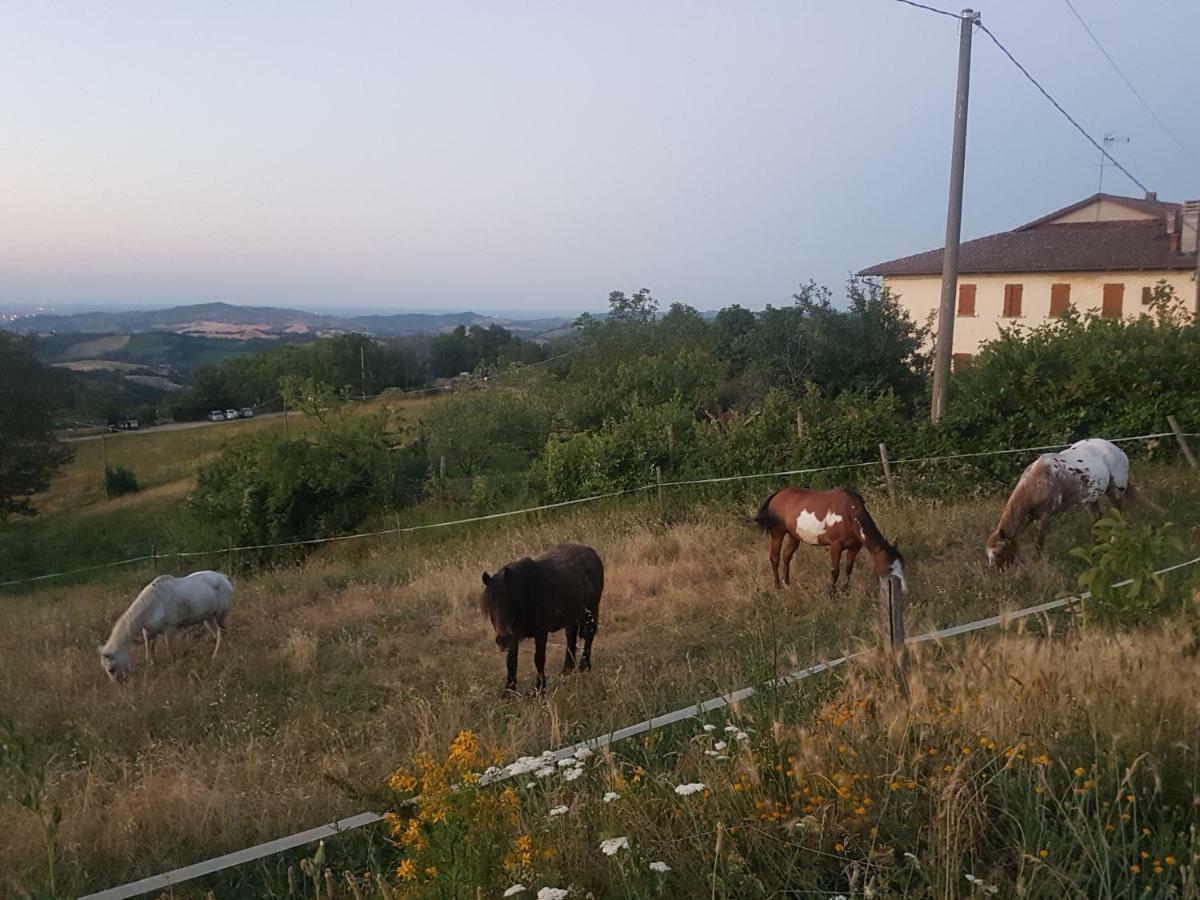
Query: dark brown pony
{"x": 532, "y": 597}
{"x": 837, "y": 519}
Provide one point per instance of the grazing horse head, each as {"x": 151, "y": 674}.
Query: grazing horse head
{"x": 1001, "y": 549}
{"x": 117, "y": 663}
{"x": 503, "y": 601}
{"x": 888, "y": 561}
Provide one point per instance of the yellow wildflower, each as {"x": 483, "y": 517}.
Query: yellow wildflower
{"x": 1170, "y": 860}
{"x": 1078, "y": 771}
{"x": 839, "y": 847}
{"x": 1043, "y": 853}
{"x": 407, "y": 870}
{"x": 1135, "y": 868}
{"x": 1158, "y": 870}
{"x": 402, "y": 782}
{"x": 1042, "y": 760}
{"x": 431, "y": 871}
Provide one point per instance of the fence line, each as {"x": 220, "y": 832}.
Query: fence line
{"x": 239, "y": 857}
{"x": 184, "y": 554}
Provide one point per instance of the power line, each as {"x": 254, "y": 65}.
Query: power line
{"x": 932, "y": 9}
{"x": 1058, "y": 106}
{"x": 1129, "y": 84}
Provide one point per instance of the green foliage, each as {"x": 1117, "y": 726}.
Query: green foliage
{"x": 30, "y": 455}
{"x": 870, "y": 346}
{"x": 265, "y": 488}
{"x": 119, "y": 480}
{"x": 621, "y": 453}
{"x": 467, "y": 349}
{"x": 1124, "y": 551}
{"x": 481, "y": 430}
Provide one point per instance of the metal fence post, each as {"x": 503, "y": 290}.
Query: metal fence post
{"x": 662, "y": 499}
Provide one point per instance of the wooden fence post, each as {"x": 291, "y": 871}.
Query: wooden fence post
{"x": 670, "y": 438}
{"x": 887, "y": 468}
{"x": 285, "y": 419}
{"x": 891, "y": 606}
{"x": 1183, "y": 444}
{"x": 799, "y": 424}
{"x": 662, "y": 499}
{"x": 442, "y": 468}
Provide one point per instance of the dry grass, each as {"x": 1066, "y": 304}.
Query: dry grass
{"x": 335, "y": 671}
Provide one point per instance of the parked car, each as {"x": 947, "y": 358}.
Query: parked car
{"x": 216, "y": 416}
{"x": 231, "y": 414}
{"x": 247, "y": 412}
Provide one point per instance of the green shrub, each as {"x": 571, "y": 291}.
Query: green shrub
{"x": 1121, "y": 564}
{"x": 118, "y": 480}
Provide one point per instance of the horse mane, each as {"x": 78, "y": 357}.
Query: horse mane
{"x": 518, "y": 575}
{"x": 128, "y": 626}
{"x": 873, "y": 538}
{"x": 1031, "y": 491}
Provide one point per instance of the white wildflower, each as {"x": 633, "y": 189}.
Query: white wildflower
{"x": 549, "y": 893}
{"x": 730, "y": 729}
{"x": 558, "y": 811}
{"x": 659, "y": 866}
{"x": 742, "y": 736}
{"x": 982, "y": 885}
{"x": 523, "y": 765}
{"x": 572, "y": 774}
{"x": 531, "y": 784}
{"x": 544, "y": 772}
{"x": 568, "y": 761}
{"x": 720, "y": 745}
{"x": 710, "y": 727}
{"x": 582, "y": 753}
{"x": 684, "y": 789}
{"x": 611, "y": 796}
{"x": 711, "y": 753}
{"x": 514, "y": 890}
{"x": 612, "y": 845}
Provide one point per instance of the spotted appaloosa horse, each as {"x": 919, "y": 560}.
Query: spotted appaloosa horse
{"x": 837, "y": 519}
{"x": 1078, "y": 476}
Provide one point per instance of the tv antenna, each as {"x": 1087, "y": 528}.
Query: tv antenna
{"x": 1109, "y": 139}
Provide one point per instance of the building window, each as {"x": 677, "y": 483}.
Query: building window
{"x": 960, "y": 361}
{"x": 1060, "y": 299}
{"x": 966, "y": 299}
{"x": 1114, "y": 299}
{"x": 1147, "y": 295}
{"x": 1012, "y": 300}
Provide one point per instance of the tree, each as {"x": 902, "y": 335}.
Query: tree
{"x": 30, "y": 454}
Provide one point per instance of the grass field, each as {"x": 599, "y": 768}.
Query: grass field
{"x": 336, "y": 672}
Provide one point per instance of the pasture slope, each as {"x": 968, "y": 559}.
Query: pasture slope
{"x": 336, "y": 672}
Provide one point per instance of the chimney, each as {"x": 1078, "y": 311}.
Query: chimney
{"x": 1151, "y": 195}
{"x": 1172, "y": 232}
{"x": 1189, "y": 237}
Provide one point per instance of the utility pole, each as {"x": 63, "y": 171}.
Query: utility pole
{"x": 362, "y": 365}
{"x": 958, "y": 160}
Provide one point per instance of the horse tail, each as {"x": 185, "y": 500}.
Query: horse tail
{"x": 1139, "y": 498}
{"x": 766, "y": 518}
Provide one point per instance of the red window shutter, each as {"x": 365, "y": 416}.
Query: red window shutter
{"x": 1114, "y": 297}
{"x": 960, "y": 361}
{"x": 966, "y": 299}
{"x": 1012, "y": 300}
{"x": 1060, "y": 299}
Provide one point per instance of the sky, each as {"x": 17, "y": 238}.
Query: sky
{"x": 529, "y": 157}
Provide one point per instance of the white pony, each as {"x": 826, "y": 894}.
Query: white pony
{"x": 165, "y": 604}
{"x": 1078, "y": 476}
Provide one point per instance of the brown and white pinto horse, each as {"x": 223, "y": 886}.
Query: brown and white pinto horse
{"x": 837, "y": 519}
